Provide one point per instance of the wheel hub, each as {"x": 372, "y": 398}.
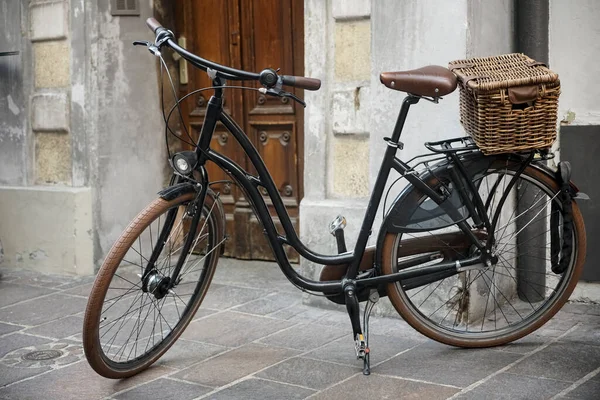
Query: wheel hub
{"x": 157, "y": 285}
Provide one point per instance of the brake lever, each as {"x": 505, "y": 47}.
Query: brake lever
{"x": 151, "y": 47}
{"x": 281, "y": 93}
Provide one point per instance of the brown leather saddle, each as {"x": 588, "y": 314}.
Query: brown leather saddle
{"x": 431, "y": 81}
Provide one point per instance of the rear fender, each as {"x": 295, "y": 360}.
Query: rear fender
{"x": 410, "y": 198}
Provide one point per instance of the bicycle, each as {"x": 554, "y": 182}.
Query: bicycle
{"x": 451, "y": 254}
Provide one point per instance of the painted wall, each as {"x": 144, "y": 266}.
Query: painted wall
{"x": 128, "y": 148}
{"x": 574, "y": 47}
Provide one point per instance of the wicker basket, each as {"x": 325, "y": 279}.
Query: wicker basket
{"x": 508, "y": 103}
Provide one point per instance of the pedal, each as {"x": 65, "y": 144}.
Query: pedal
{"x": 361, "y": 348}
{"x": 338, "y": 223}
{"x": 336, "y": 228}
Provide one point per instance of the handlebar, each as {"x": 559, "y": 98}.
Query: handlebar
{"x": 153, "y": 24}
{"x": 268, "y": 77}
{"x": 301, "y": 82}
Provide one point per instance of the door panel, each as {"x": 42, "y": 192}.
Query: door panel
{"x": 272, "y": 123}
{"x": 250, "y": 35}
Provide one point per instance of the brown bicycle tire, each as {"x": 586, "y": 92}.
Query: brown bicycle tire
{"x": 91, "y": 343}
{"x": 399, "y": 301}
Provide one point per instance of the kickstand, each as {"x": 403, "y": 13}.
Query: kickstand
{"x": 373, "y": 298}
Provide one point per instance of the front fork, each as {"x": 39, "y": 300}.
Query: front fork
{"x": 195, "y": 210}
{"x": 163, "y": 237}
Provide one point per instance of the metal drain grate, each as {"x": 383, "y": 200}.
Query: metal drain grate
{"x": 53, "y": 354}
{"x": 40, "y": 355}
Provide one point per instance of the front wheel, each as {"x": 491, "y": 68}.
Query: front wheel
{"x": 493, "y": 305}
{"x": 129, "y": 321}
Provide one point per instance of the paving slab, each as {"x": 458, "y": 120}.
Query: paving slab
{"x": 305, "y": 336}
{"x": 260, "y": 389}
{"x": 253, "y": 274}
{"x": 582, "y": 308}
{"x": 561, "y": 361}
{"x": 37, "y": 311}
{"x": 80, "y": 290}
{"x": 164, "y": 389}
{"x": 376, "y": 386}
{"x": 77, "y": 381}
{"x": 59, "y": 328}
{"x": 224, "y": 297}
{"x": 11, "y": 293}
{"x": 588, "y": 334}
{"x": 437, "y": 363}
{"x": 10, "y": 375}
{"x": 18, "y": 340}
{"x": 232, "y": 329}
{"x": 308, "y": 373}
{"x": 587, "y": 390}
{"x": 270, "y": 303}
{"x": 528, "y": 343}
{"x": 185, "y": 353}
{"x": 33, "y": 278}
{"x": 506, "y": 386}
{"x": 301, "y": 313}
{"x": 233, "y": 365}
{"x": 342, "y": 350}
{"x": 8, "y": 328}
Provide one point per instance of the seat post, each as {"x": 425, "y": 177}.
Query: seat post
{"x": 408, "y": 101}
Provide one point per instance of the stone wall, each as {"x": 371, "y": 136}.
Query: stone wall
{"x": 14, "y": 142}
{"x": 45, "y": 205}
{"x": 347, "y": 45}
{"x": 83, "y": 135}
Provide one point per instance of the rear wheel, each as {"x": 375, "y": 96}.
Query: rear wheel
{"x": 493, "y": 305}
{"x": 129, "y": 322}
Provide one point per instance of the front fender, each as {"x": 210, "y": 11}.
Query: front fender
{"x": 172, "y": 192}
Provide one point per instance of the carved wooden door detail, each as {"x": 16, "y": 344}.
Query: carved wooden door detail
{"x": 250, "y": 35}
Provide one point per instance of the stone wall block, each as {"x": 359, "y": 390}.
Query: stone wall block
{"x": 48, "y": 21}
{"x": 353, "y": 51}
{"x": 351, "y": 166}
{"x": 47, "y": 228}
{"x": 52, "y": 64}
{"x": 351, "y": 9}
{"x": 52, "y": 158}
{"x": 50, "y": 112}
{"x": 350, "y": 111}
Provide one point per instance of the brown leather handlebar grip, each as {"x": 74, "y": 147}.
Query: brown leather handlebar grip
{"x": 153, "y": 24}
{"x": 301, "y": 82}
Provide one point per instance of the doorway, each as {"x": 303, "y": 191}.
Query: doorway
{"x": 249, "y": 35}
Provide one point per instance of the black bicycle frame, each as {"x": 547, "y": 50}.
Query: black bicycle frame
{"x": 250, "y": 185}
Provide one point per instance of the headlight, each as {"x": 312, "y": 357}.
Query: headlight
{"x": 184, "y": 162}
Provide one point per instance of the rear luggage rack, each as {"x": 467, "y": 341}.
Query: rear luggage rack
{"x": 452, "y": 145}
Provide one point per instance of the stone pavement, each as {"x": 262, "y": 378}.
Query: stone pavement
{"x": 253, "y": 339}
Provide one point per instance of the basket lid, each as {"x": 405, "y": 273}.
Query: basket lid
{"x": 504, "y": 71}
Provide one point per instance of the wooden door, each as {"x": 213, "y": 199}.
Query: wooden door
{"x": 250, "y": 35}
